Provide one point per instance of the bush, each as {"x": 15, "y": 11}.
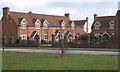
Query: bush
{"x": 83, "y": 39}
{"x": 45, "y": 42}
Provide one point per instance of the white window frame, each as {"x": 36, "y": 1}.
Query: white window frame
{"x": 23, "y": 37}
{"x": 97, "y": 35}
{"x": 45, "y": 26}
{"x": 97, "y": 27}
{"x": 72, "y": 26}
{"x": 112, "y": 26}
{"x": 45, "y": 36}
{"x": 63, "y": 26}
{"x": 37, "y": 25}
{"x": 23, "y": 25}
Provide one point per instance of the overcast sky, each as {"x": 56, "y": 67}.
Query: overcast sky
{"x": 78, "y": 9}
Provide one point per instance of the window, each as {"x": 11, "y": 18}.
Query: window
{"x": 97, "y": 35}
{"x": 72, "y": 26}
{"x": 23, "y": 37}
{"x": 111, "y": 26}
{"x": 37, "y": 25}
{"x": 45, "y": 26}
{"x": 63, "y": 26}
{"x": 97, "y": 27}
{"x": 23, "y": 25}
{"x": 45, "y": 36}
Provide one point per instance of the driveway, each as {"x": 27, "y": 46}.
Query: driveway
{"x": 66, "y": 51}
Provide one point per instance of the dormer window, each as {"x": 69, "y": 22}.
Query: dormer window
{"x": 111, "y": 26}
{"x": 45, "y": 26}
{"x": 37, "y": 24}
{"x": 23, "y": 25}
{"x": 72, "y": 25}
{"x": 63, "y": 25}
{"x": 97, "y": 27}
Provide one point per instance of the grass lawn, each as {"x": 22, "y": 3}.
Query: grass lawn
{"x": 46, "y": 61}
{"x": 47, "y": 48}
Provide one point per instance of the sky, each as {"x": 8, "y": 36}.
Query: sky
{"x": 78, "y": 9}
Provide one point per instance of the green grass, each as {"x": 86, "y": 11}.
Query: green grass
{"x": 88, "y": 49}
{"x": 46, "y": 61}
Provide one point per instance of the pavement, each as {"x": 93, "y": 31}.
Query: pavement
{"x": 66, "y": 51}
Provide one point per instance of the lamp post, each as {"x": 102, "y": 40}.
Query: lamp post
{"x": 62, "y": 40}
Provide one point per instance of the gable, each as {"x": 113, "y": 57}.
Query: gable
{"x": 112, "y": 22}
{"x": 23, "y": 21}
{"x": 37, "y": 21}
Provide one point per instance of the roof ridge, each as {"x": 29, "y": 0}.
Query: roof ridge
{"x": 104, "y": 16}
{"x": 36, "y": 14}
{"x": 78, "y": 20}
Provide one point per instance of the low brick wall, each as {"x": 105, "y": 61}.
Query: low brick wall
{"x": 20, "y": 45}
{"x": 86, "y": 45}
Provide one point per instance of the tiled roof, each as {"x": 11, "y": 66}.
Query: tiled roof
{"x": 29, "y": 17}
{"x": 79, "y": 22}
{"x": 104, "y": 21}
{"x": 52, "y": 19}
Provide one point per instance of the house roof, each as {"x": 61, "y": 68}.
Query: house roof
{"x": 31, "y": 17}
{"x": 33, "y": 33}
{"x": 104, "y": 21}
{"x": 67, "y": 32}
{"x": 52, "y": 19}
{"x": 79, "y": 22}
{"x": 56, "y": 32}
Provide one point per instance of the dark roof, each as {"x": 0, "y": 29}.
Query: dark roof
{"x": 33, "y": 33}
{"x": 104, "y": 21}
{"x": 118, "y": 12}
{"x": 79, "y": 22}
{"x": 34, "y": 20}
{"x": 67, "y": 32}
{"x": 19, "y": 20}
{"x": 56, "y": 32}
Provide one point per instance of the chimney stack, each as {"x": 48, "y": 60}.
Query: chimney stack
{"x": 87, "y": 25}
{"x": 6, "y": 12}
{"x": 95, "y": 16}
{"x": 67, "y": 15}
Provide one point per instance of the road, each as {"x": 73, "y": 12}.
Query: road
{"x": 66, "y": 51}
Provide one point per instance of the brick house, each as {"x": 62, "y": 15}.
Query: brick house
{"x": 103, "y": 27}
{"x": 117, "y": 30}
{"x": 32, "y": 26}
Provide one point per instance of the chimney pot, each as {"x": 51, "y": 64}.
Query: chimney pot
{"x": 67, "y": 15}
{"x": 95, "y": 16}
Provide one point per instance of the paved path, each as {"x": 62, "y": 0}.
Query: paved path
{"x": 66, "y": 51}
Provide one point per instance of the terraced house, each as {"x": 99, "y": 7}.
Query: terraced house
{"x": 32, "y": 26}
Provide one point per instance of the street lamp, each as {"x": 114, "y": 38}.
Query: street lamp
{"x": 62, "y": 40}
